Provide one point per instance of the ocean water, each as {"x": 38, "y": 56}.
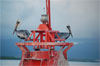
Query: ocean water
{"x": 85, "y": 49}
{"x": 83, "y": 64}
{"x": 16, "y": 62}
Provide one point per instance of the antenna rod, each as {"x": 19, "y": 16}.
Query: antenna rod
{"x": 48, "y": 12}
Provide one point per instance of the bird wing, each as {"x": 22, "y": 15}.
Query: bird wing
{"x": 63, "y": 35}
{"x": 24, "y": 34}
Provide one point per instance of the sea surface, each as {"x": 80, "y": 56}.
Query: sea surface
{"x": 84, "y": 49}
{"x": 16, "y": 62}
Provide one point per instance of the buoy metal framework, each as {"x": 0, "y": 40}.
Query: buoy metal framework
{"x": 43, "y": 38}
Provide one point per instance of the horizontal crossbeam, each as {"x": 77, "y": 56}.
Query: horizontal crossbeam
{"x": 46, "y": 44}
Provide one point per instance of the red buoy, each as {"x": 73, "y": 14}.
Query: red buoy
{"x": 44, "y": 38}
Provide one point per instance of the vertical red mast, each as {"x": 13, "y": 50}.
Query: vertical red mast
{"x": 48, "y": 12}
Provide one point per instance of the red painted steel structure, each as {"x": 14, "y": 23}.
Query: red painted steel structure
{"x": 43, "y": 38}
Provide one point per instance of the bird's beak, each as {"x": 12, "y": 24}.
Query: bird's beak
{"x": 13, "y": 32}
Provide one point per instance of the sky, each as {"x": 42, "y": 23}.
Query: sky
{"x": 81, "y": 15}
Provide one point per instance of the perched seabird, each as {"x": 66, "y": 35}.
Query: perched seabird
{"x": 22, "y": 34}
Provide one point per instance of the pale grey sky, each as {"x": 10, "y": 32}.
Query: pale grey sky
{"x": 81, "y": 15}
